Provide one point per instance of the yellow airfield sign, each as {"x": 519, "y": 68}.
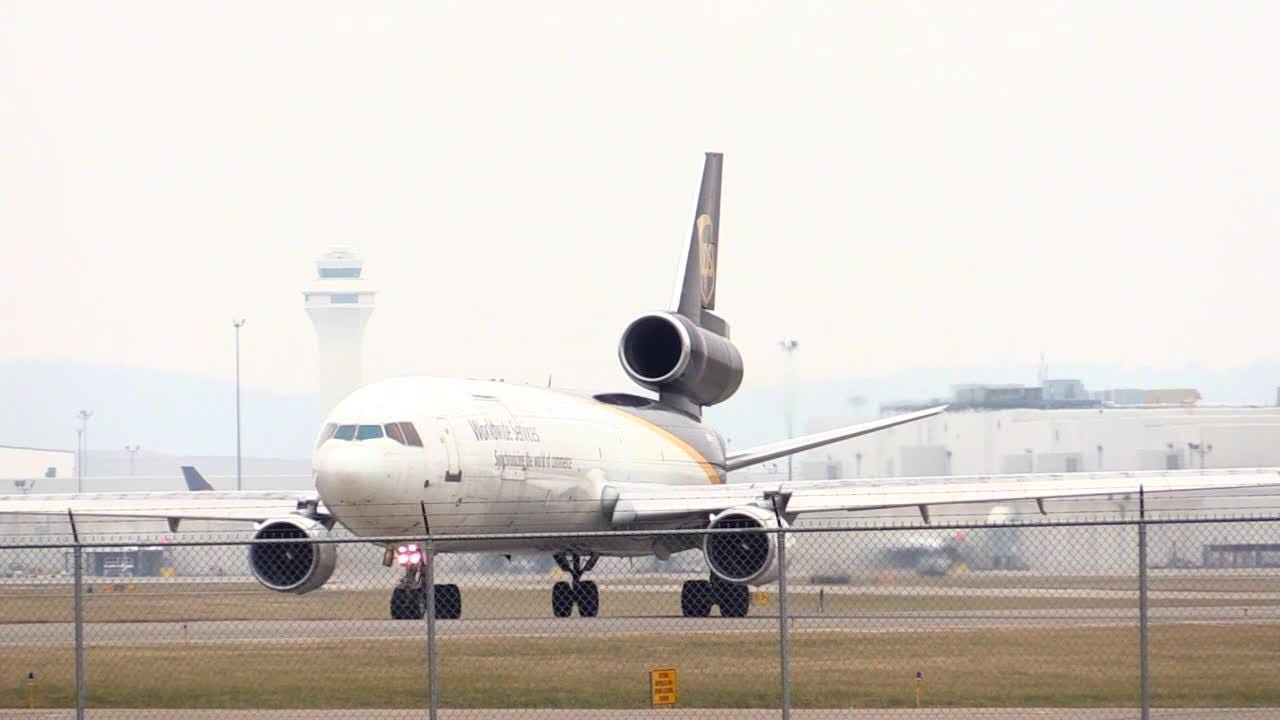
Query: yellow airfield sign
{"x": 662, "y": 686}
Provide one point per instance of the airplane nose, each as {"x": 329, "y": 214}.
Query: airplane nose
{"x": 350, "y": 474}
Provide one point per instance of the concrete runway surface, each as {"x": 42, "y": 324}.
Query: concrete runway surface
{"x": 259, "y": 631}
{"x": 666, "y": 714}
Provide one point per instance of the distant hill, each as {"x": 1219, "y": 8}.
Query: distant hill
{"x": 111, "y": 471}
{"x": 164, "y": 411}
{"x": 185, "y": 415}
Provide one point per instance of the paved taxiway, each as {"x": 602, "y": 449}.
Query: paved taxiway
{"x": 256, "y": 631}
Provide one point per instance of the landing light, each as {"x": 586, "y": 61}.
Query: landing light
{"x": 407, "y": 555}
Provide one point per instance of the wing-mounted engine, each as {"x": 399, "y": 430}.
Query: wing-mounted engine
{"x": 745, "y": 556}
{"x": 294, "y": 567}
{"x": 668, "y": 353}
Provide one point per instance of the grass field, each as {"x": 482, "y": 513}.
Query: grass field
{"x": 1192, "y": 666}
{"x": 185, "y": 602}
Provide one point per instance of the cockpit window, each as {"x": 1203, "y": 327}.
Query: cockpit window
{"x": 326, "y": 433}
{"x": 410, "y": 434}
{"x": 368, "y": 432}
{"x": 393, "y": 432}
{"x": 401, "y": 432}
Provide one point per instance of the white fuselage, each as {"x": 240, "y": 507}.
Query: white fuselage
{"x": 494, "y": 458}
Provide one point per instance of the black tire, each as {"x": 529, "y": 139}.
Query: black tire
{"x": 734, "y": 599}
{"x": 561, "y": 599}
{"x": 406, "y": 604}
{"x": 588, "y": 599}
{"x": 457, "y": 602}
{"x": 696, "y": 598}
{"x": 448, "y": 602}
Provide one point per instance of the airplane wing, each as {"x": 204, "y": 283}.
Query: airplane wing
{"x": 772, "y": 451}
{"x": 633, "y": 502}
{"x": 254, "y": 506}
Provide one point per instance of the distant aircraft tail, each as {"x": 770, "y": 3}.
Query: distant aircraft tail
{"x": 195, "y": 481}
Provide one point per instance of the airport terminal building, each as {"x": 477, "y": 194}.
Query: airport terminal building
{"x": 981, "y": 441}
{"x": 23, "y": 468}
{"x": 1058, "y": 428}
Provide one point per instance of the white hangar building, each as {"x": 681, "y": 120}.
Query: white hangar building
{"x": 986, "y": 442}
{"x": 22, "y": 468}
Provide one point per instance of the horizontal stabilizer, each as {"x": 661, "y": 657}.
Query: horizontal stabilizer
{"x": 772, "y": 451}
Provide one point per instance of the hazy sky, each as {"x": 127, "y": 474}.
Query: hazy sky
{"x": 905, "y": 184}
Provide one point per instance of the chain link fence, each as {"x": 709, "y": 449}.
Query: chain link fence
{"x": 1008, "y": 620}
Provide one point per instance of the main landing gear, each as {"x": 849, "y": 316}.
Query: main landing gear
{"x": 409, "y": 598}
{"x": 698, "y": 596}
{"x": 583, "y": 593}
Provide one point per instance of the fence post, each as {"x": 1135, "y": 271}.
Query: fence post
{"x": 433, "y": 665}
{"x": 784, "y": 645}
{"x": 78, "y": 571}
{"x": 1144, "y": 670}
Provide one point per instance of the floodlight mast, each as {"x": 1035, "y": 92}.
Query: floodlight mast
{"x": 238, "y": 324}
{"x": 789, "y": 347}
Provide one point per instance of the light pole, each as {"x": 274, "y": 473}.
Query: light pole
{"x": 82, "y": 447}
{"x": 1200, "y": 449}
{"x": 789, "y": 347}
{"x": 132, "y": 450}
{"x": 857, "y": 402}
{"x": 238, "y": 324}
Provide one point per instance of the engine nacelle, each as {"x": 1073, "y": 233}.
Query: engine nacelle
{"x": 668, "y": 353}
{"x": 293, "y": 567}
{"x": 744, "y": 557}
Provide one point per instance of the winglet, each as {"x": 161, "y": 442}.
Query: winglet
{"x": 698, "y": 286}
{"x": 195, "y": 481}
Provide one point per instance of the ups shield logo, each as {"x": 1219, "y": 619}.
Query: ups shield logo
{"x": 707, "y": 260}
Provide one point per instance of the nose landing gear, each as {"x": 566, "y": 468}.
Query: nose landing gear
{"x": 583, "y": 593}
{"x": 409, "y": 598}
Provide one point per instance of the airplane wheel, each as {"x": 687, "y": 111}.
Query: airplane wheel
{"x": 696, "y": 598}
{"x": 448, "y": 602}
{"x": 588, "y": 599}
{"x": 734, "y": 599}
{"x": 406, "y": 604}
{"x": 561, "y": 599}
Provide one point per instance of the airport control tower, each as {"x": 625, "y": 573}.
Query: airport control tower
{"x": 339, "y": 305}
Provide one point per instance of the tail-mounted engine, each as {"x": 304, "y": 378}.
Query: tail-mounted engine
{"x": 294, "y": 567}
{"x": 746, "y": 556}
{"x": 669, "y": 353}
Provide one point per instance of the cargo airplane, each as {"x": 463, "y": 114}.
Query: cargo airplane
{"x": 486, "y": 466}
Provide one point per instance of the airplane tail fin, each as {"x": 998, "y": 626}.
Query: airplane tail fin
{"x": 698, "y": 286}
{"x": 195, "y": 481}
